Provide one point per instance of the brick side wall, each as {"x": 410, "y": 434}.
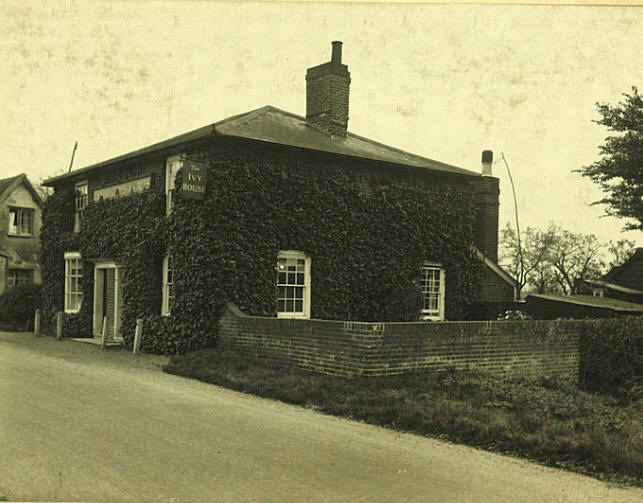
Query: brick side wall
{"x": 493, "y": 288}
{"x": 515, "y": 348}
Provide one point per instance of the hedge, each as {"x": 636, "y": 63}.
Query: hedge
{"x": 612, "y": 356}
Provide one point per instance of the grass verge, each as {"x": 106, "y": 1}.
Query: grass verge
{"x": 549, "y": 421}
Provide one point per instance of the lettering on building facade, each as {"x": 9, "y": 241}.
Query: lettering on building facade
{"x": 122, "y": 189}
{"x": 194, "y": 179}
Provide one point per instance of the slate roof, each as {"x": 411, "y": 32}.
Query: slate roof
{"x": 620, "y": 306}
{"x": 269, "y": 124}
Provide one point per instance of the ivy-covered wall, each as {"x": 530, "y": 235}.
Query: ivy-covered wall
{"x": 366, "y": 246}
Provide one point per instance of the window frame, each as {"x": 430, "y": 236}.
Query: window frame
{"x": 432, "y": 314}
{"x": 78, "y": 211}
{"x": 306, "y": 298}
{"x": 14, "y": 283}
{"x": 69, "y": 293}
{"x": 167, "y": 285}
{"x": 17, "y": 210}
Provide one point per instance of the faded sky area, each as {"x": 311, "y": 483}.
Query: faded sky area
{"x": 442, "y": 81}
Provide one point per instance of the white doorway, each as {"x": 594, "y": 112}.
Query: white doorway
{"x": 108, "y": 300}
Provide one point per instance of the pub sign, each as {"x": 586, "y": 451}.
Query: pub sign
{"x": 194, "y": 178}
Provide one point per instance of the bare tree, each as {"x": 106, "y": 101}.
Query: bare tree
{"x": 574, "y": 257}
{"x": 526, "y": 261}
{"x": 555, "y": 260}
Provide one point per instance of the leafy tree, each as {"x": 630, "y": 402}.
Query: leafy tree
{"x": 619, "y": 171}
{"x": 619, "y": 252}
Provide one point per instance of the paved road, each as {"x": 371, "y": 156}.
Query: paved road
{"x": 80, "y": 424}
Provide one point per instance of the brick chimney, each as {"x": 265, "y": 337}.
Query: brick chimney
{"x": 487, "y": 198}
{"x": 327, "y": 87}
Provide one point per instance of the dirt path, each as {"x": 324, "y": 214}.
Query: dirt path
{"x": 81, "y": 424}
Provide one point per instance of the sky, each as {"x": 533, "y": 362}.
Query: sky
{"x": 444, "y": 81}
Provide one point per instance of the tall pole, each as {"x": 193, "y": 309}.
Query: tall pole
{"x": 513, "y": 189}
{"x": 73, "y": 153}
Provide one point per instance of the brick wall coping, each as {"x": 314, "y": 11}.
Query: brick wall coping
{"x": 239, "y": 313}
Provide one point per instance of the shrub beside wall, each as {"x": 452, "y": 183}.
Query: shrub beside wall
{"x": 17, "y": 306}
{"x": 612, "y": 356}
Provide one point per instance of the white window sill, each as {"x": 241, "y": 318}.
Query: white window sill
{"x": 68, "y": 311}
{"x": 297, "y": 316}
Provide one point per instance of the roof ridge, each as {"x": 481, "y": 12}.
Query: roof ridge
{"x": 249, "y": 116}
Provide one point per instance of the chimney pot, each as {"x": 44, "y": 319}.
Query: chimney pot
{"x": 336, "y": 56}
{"x": 487, "y": 162}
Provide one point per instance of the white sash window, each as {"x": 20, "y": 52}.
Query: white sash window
{"x": 432, "y": 286}
{"x": 73, "y": 277}
{"x": 293, "y": 285}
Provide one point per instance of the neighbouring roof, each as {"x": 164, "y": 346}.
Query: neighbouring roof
{"x": 5, "y": 183}
{"x": 591, "y": 301}
{"x": 269, "y": 124}
{"x": 612, "y": 286}
{"x": 7, "y": 186}
{"x": 629, "y": 274}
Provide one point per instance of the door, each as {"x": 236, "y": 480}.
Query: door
{"x": 108, "y": 300}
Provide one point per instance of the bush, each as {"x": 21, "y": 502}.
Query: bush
{"x": 612, "y": 356}
{"x": 18, "y": 304}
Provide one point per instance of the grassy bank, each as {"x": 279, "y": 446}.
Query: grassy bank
{"x": 547, "y": 421}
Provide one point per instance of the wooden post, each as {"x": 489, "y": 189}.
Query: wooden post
{"x": 36, "y": 323}
{"x": 137, "y": 336}
{"x": 59, "y": 325}
{"x": 103, "y": 339}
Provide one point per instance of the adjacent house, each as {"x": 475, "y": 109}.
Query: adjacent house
{"x": 283, "y": 215}
{"x": 617, "y": 293}
{"x": 20, "y": 220}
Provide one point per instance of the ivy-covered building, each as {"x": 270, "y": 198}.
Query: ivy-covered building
{"x": 280, "y": 214}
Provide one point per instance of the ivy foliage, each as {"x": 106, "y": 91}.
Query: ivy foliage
{"x": 128, "y": 230}
{"x": 366, "y": 250}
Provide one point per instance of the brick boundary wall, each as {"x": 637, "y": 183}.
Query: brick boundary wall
{"x": 508, "y": 348}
